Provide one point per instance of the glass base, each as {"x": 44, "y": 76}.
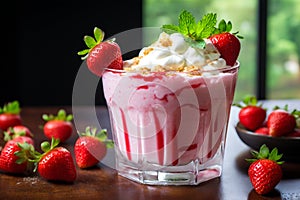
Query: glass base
{"x": 193, "y": 173}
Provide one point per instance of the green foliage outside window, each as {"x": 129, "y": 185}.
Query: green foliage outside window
{"x": 283, "y": 51}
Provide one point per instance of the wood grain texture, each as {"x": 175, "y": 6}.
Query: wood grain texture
{"x": 103, "y": 182}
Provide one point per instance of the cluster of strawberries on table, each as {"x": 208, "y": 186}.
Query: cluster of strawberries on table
{"x": 55, "y": 162}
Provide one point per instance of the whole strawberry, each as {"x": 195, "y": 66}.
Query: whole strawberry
{"x": 262, "y": 130}
{"x": 91, "y": 147}
{"x": 16, "y": 131}
{"x": 251, "y": 115}
{"x": 101, "y": 54}
{"x": 195, "y": 32}
{"x": 265, "y": 171}
{"x": 54, "y": 164}
{"x": 228, "y": 44}
{"x": 280, "y": 122}
{"x": 10, "y": 115}
{"x": 59, "y": 126}
{"x": 9, "y": 160}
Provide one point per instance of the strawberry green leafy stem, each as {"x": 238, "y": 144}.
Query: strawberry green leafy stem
{"x": 226, "y": 27}
{"x": 296, "y": 114}
{"x": 11, "y": 134}
{"x": 11, "y": 108}
{"x": 248, "y": 100}
{"x": 28, "y": 153}
{"x": 61, "y": 115}
{"x": 100, "y": 135}
{"x": 264, "y": 153}
{"x": 92, "y": 42}
{"x": 196, "y": 32}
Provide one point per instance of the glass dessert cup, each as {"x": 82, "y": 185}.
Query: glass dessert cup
{"x": 169, "y": 128}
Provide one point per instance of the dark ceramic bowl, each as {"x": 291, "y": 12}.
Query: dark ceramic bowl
{"x": 289, "y": 146}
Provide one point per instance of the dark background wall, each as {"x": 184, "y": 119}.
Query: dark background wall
{"x": 40, "y": 41}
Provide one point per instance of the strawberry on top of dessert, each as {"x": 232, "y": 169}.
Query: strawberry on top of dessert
{"x": 189, "y": 46}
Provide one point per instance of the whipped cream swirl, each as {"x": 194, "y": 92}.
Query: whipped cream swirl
{"x": 171, "y": 52}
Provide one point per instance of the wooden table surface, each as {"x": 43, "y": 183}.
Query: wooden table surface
{"x": 103, "y": 182}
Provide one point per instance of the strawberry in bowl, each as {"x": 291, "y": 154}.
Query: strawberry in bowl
{"x": 251, "y": 115}
{"x": 278, "y": 129}
{"x": 281, "y": 122}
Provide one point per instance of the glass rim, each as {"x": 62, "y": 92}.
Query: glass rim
{"x": 220, "y": 70}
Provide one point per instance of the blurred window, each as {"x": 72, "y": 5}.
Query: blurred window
{"x": 283, "y": 49}
{"x": 272, "y": 73}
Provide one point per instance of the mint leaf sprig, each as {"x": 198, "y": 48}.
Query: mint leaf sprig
{"x": 196, "y": 32}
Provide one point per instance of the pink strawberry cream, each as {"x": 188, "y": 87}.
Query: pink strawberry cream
{"x": 169, "y": 110}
